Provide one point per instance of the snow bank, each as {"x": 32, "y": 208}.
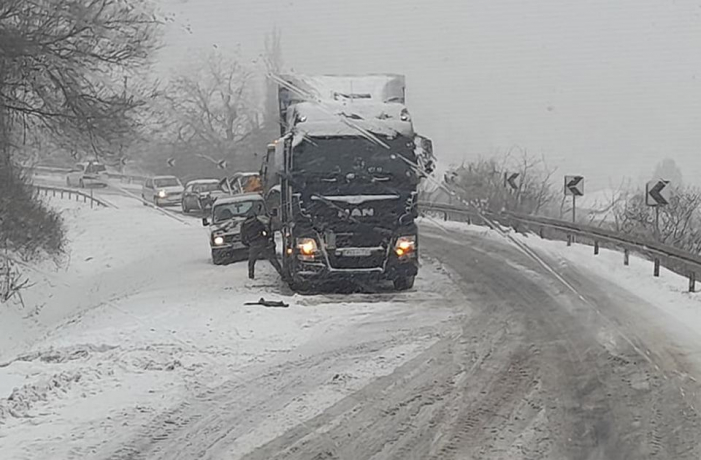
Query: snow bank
{"x": 109, "y": 252}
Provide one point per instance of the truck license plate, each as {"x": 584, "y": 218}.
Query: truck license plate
{"x": 356, "y": 252}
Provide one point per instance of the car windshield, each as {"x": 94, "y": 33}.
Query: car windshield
{"x": 95, "y": 168}
{"x": 209, "y": 187}
{"x": 225, "y": 211}
{"x": 166, "y": 182}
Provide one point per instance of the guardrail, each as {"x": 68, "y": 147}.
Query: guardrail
{"x": 70, "y": 194}
{"x": 128, "y": 178}
{"x": 675, "y": 259}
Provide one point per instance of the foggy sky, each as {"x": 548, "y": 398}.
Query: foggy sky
{"x": 601, "y": 88}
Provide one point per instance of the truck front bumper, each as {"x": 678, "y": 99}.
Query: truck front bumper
{"x": 320, "y": 271}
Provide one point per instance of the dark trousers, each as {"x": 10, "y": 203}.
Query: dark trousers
{"x": 262, "y": 251}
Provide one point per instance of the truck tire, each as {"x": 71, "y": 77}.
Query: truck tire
{"x": 301, "y": 286}
{"x": 403, "y": 283}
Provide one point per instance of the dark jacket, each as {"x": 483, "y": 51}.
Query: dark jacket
{"x": 255, "y": 232}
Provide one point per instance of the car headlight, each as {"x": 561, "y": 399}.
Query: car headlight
{"x": 306, "y": 246}
{"x": 218, "y": 240}
{"x": 405, "y": 245}
{"x": 162, "y": 194}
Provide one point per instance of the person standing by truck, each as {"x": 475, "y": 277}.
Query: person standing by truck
{"x": 257, "y": 236}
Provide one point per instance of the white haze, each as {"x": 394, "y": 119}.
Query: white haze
{"x": 601, "y": 88}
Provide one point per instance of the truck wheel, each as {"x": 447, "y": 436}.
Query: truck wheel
{"x": 404, "y": 283}
{"x": 301, "y": 286}
{"x": 219, "y": 258}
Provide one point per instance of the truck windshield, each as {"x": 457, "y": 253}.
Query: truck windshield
{"x": 344, "y": 155}
{"x": 226, "y": 211}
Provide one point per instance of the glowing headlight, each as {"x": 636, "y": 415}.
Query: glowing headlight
{"x": 405, "y": 245}
{"x": 218, "y": 240}
{"x": 162, "y": 193}
{"x": 306, "y": 246}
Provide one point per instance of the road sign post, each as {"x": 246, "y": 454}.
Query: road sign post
{"x": 574, "y": 186}
{"x": 657, "y": 194}
{"x": 510, "y": 180}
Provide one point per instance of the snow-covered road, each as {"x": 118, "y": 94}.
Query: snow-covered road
{"x": 140, "y": 348}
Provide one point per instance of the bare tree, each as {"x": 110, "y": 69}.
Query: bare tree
{"x": 482, "y": 182}
{"x": 211, "y": 111}
{"x": 273, "y": 63}
{"x": 62, "y": 65}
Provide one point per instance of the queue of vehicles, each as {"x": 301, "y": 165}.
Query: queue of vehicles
{"x": 340, "y": 184}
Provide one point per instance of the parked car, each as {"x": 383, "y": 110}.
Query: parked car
{"x": 228, "y": 213}
{"x": 87, "y": 174}
{"x": 200, "y": 194}
{"x": 243, "y": 182}
{"x": 163, "y": 191}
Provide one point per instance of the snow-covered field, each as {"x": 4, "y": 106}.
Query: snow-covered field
{"x": 136, "y": 320}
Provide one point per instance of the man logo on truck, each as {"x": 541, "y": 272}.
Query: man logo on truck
{"x": 357, "y": 212}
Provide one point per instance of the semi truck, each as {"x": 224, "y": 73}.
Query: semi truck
{"x": 345, "y": 172}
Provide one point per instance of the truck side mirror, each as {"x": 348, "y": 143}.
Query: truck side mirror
{"x": 205, "y": 222}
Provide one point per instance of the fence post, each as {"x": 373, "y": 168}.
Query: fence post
{"x": 626, "y": 257}
{"x": 596, "y": 247}
{"x": 657, "y": 267}
{"x": 445, "y": 215}
{"x": 469, "y": 220}
{"x": 569, "y": 239}
{"x": 692, "y": 281}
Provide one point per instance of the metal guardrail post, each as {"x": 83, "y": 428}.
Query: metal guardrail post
{"x": 657, "y": 267}
{"x": 596, "y": 247}
{"x": 692, "y": 281}
{"x": 569, "y": 239}
{"x": 626, "y": 257}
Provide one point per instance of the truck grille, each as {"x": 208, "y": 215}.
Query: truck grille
{"x": 341, "y": 262}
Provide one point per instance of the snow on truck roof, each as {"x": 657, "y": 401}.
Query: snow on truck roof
{"x": 376, "y": 87}
{"x": 330, "y": 119}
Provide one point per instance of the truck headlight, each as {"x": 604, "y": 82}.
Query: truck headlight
{"x": 162, "y": 194}
{"x": 218, "y": 240}
{"x": 405, "y": 245}
{"x": 306, "y": 246}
